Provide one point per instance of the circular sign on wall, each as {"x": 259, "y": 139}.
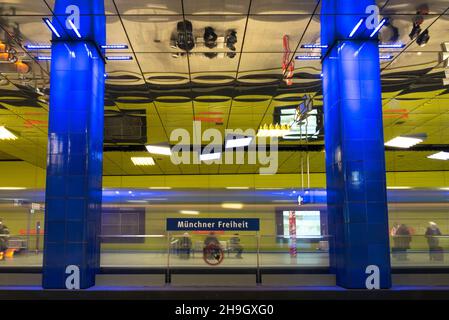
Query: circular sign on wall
{"x": 213, "y": 255}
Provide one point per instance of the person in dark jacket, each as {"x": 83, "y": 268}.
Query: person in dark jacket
{"x": 432, "y": 234}
{"x": 401, "y": 239}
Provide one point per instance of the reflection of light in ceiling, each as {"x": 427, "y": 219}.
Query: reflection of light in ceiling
{"x": 12, "y": 188}
{"x": 143, "y": 161}
{"x": 159, "y": 188}
{"x": 439, "y": 156}
{"x": 189, "y": 212}
{"x": 162, "y": 150}
{"x": 399, "y": 188}
{"x": 237, "y": 188}
{"x": 404, "y": 142}
{"x": 229, "y": 205}
{"x": 210, "y": 156}
{"x": 5, "y": 134}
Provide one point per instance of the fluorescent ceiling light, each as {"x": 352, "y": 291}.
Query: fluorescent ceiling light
{"x": 160, "y": 188}
{"x": 189, "y": 212}
{"x": 119, "y": 58}
{"x": 37, "y": 46}
{"x": 74, "y": 28}
{"x": 399, "y": 188}
{"x": 143, "y": 161}
{"x": 313, "y": 46}
{"x": 381, "y": 24}
{"x": 137, "y": 201}
{"x": 12, "y": 188}
{"x": 52, "y": 27}
{"x": 115, "y": 46}
{"x": 210, "y": 156}
{"x": 228, "y": 205}
{"x": 439, "y": 156}
{"x": 43, "y": 58}
{"x": 166, "y": 151}
{"x": 357, "y": 26}
{"x": 391, "y": 45}
{"x": 238, "y": 143}
{"x": 445, "y": 189}
{"x": 385, "y": 57}
{"x": 5, "y": 134}
{"x": 237, "y": 188}
{"x": 404, "y": 142}
{"x": 308, "y": 57}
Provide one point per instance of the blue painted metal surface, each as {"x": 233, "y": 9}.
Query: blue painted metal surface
{"x": 355, "y": 160}
{"x": 75, "y": 142}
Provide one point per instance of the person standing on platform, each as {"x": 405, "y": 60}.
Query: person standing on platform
{"x": 236, "y": 246}
{"x": 185, "y": 246}
{"x": 402, "y": 240}
{"x": 432, "y": 234}
{"x": 4, "y": 234}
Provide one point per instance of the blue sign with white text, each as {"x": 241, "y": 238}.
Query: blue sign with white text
{"x": 190, "y": 224}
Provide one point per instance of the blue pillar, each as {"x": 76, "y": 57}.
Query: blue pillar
{"x": 355, "y": 159}
{"x": 75, "y": 144}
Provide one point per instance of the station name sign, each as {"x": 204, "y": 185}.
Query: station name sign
{"x": 190, "y": 224}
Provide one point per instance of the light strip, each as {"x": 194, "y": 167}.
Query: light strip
{"x": 37, "y": 46}
{"x": 314, "y": 46}
{"x": 43, "y": 58}
{"x": 159, "y": 188}
{"x": 356, "y": 28}
{"x": 5, "y": 134}
{"x": 439, "y": 156}
{"x": 237, "y": 188}
{"x": 12, "y": 188}
{"x": 386, "y": 57}
{"x": 238, "y": 143}
{"x": 166, "y": 151}
{"x": 189, "y": 212}
{"x": 119, "y": 58}
{"x": 52, "y": 27}
{"x": 114, "y": 46}
{"x": 143, "y": 161}
{"x": 381, "y": 24}
{"x": 391, "y": 46}
{"x": 210, "y": 156}
{"x": 403, "y": 142}
{"x": 308, "y": 57}
{"x": 74, "y": 28}
{"x": 228, "y": 205}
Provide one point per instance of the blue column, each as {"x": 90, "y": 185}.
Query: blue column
{"x": 75, "y": 144}
{"x": 355, "y": 159}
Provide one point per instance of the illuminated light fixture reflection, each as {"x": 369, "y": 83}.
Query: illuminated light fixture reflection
{"x": 114, "y": 46}
{"x": 239, "y": 142}
{"x": 228, "y": 205}
{"x": 314, "y": 46}
{"x": 159, "y": 188}
{"x": 445, "y": 189}
{"x": 136, "y": 201}
{"x": 74, "y": 28}
{"x": 52, "y": 27}
{"x": 12, "y": 188}
{"x": 43, "y": 58}
{"x": 119, "y": 58}
{"x": 5, "y": 134}
{"x": 189, "y": 212}
{"x": 308, "y": 57}
{"x": 162, "y": 150}
{"x": 398, "y": 188}
{"x": 440, "y": 156}
{"x": 143, "y": 161}
{"x": 37, "y": 46}
{"x": 357, "y": 26}
{"x": 210, "y": 156}
{"x": 385, "y": 57}
{"x": 273, "y": 130}
{"x": 391, "y": 45}
{"x": 237, "y": 188}
{"x": 381, "y": 24}
{"x": 405, "y": 142}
